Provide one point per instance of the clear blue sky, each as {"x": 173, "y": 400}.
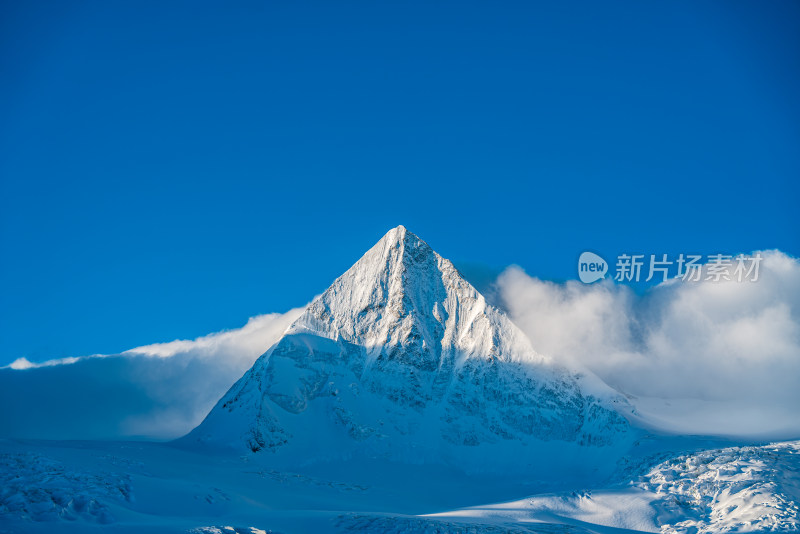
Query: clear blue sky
{"x": 170, "y": 170}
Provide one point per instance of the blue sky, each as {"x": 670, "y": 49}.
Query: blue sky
{"x": 169, "y": 171}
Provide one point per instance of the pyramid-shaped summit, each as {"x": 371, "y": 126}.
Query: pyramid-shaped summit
{"x": 402, "y": 358}
{"x": 405, "y": 303}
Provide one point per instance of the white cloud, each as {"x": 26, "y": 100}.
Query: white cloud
{"x": 705, "y": 357}
{"x": 725, "y": 355}
{"x": 24, "y": 363}
{"x": 161, "y": 390}
{"x": 239, "y": 345}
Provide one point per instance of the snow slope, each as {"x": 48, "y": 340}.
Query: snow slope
{"x": 149, "y": 487}
{"x": 735, "y": 489}
{"x": 402, "y": 358}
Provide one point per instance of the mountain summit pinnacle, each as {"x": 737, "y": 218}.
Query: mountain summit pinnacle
{"x": 402, "y": 357}
{"x": 403, "y": 301}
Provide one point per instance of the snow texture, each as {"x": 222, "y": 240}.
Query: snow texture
{"x": 735, "y": 489}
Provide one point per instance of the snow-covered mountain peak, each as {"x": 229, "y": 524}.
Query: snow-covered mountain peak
{"x": 401, "y": 295}
{"x": 401, "y": 357}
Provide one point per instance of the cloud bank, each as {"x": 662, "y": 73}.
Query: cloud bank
{"x": 707, "y": 358}
{"x": 704, "y": 357}
{"x": 156, "y": 391}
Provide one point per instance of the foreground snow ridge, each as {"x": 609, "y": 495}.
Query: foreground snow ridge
{"x": 94, "y": 486}
{"x": 401, "y": 358}
{"x": 736, "y": 489}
